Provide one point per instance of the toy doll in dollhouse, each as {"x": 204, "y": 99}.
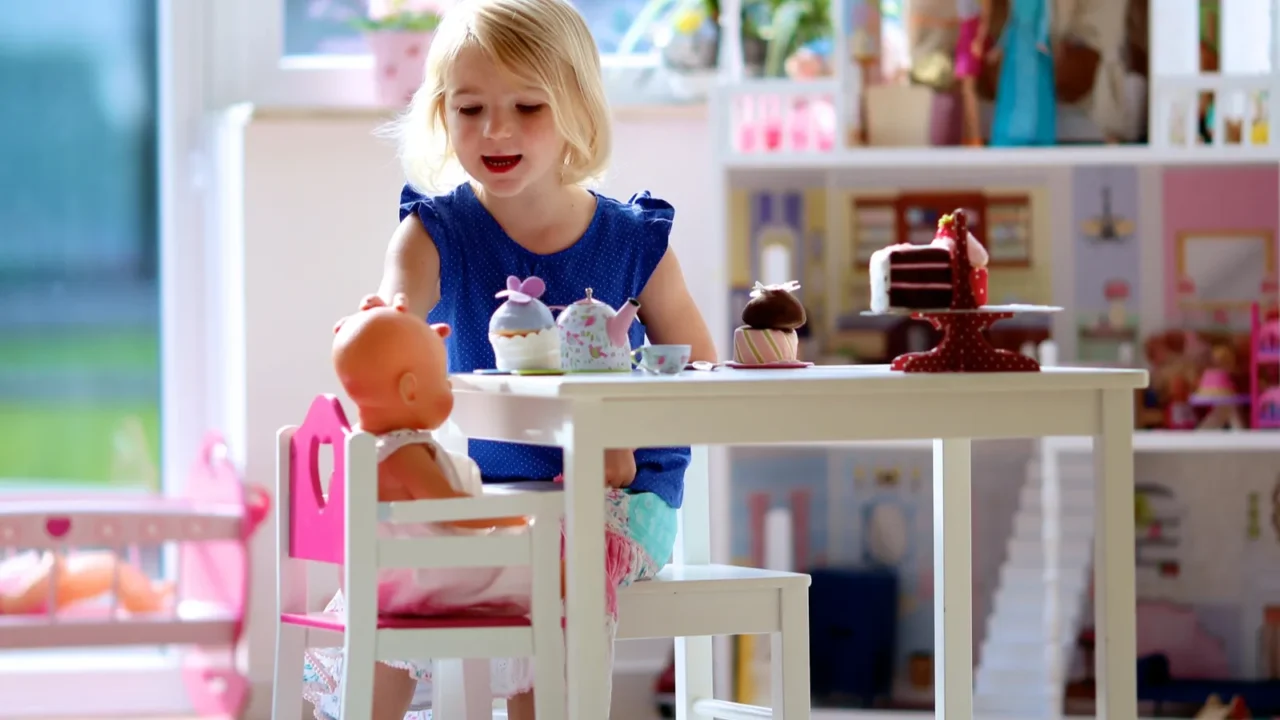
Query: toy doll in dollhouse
{"x": 1026, "y": 109}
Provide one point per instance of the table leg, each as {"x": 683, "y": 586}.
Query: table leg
{"x": 1114, "y": 597}
{"x": 952, "y": 580}
{"x": 588, "y": 671}
{"x": 694, "y": 657}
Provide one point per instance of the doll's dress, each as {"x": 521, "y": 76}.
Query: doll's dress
{"x": 446, "y": 591}
{"x": 426, "y": 592}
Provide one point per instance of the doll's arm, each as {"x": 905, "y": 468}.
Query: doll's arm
{"x": 412, "y": 473}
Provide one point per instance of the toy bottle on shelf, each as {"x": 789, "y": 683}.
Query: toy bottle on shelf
{"x": 1264, "y": 369}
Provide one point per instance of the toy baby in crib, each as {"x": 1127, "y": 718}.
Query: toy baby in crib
{"x": 27, "y": 579}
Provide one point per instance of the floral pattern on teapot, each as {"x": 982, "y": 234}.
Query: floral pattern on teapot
{"x": 594, "y": 336}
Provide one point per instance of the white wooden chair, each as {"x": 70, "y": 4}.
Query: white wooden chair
{"x": 342, "y": 530}
{"x": 693, "y": 599}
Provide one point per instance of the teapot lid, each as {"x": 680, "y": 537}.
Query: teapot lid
{"x": 587, "y": 300}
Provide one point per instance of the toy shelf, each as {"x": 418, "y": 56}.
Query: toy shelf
{"x": 830, "y": 122}
{"x": 1181, "y": 441}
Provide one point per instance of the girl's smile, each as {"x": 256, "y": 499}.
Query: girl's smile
{"x": 500, "y": 164}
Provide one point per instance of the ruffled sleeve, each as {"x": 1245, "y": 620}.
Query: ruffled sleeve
{"x": 431, "y": 214}
{"x": 653, "y": 218}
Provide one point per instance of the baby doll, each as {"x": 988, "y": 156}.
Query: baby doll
{"x": 25, "y": 581}
{"x": 394, "y": 368}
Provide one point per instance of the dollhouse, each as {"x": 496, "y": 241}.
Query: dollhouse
{"x": 1169, "y": 224}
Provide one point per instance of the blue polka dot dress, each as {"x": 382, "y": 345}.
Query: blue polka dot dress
{"x": 614, "y": 257}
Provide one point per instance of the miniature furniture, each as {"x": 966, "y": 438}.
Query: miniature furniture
{"x": 209, "y": 525}
{"x": 1264, "y": 369}
{"x": 853, "y": 621}
{"x": 340, "y": 528}
{"x": 588, "y": 413}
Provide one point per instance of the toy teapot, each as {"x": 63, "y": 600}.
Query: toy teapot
{"x": 593, "y": 336}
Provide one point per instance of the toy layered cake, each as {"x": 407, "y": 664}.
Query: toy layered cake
{"x": 522, "y": 330}
{"x": 770, "y": 320}
{"x": 924, "y": 277}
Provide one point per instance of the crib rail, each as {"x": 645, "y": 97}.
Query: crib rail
{"x": 45, "y": 525}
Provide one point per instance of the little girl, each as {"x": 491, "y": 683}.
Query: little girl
{"x": 514, "y": 108}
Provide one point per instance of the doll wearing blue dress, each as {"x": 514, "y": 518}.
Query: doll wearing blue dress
{"x": 1025, "y": 108}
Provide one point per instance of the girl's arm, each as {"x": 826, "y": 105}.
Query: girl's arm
{"x": 669, "y": 313}
{"x": 412, "y": 267}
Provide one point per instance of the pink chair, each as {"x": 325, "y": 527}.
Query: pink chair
{"x": 341, "y": 529}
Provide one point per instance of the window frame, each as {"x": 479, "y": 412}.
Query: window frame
{"x": 249, "y": 65}
{"x": 146, "y": 681}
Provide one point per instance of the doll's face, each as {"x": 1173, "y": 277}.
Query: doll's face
{"x": 394, "y": 367}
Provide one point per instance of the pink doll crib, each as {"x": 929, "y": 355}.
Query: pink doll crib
{"x": 340, "y": 528}
{"x": 202, "y": 611}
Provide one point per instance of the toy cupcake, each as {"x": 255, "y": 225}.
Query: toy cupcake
{"x": 770, "y": 320}
{"x": 522, "y": 331}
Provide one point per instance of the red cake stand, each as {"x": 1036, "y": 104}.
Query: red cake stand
{"x": 964, "y": 347}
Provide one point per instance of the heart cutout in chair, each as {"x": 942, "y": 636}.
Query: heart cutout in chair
{"x": 57, "y": 526}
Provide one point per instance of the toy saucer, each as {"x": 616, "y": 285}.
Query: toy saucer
{"x": 792, "y": 365}
{"x": 540, "y": 371}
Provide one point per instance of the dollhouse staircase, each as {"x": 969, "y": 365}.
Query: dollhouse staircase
{"x": 1035, "y": 616}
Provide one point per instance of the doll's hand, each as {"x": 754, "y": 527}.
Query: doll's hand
{"x": 619, "y": 467}
{"x": 1042, "y": 48}
{"x": 994, "y": 55}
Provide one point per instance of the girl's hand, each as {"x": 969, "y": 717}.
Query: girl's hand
{"x": 619, "y": 467}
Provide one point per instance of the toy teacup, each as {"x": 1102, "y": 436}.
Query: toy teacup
{"x": 662, "y": 359}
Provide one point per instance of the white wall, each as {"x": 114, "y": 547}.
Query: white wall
{"x": 307, "y": 201}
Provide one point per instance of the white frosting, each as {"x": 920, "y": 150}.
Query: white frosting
{"x": 879, "y": 270}
{"x": 534, "y": 351}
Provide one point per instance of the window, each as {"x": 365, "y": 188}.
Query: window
{"x": 319, "y": 27}
{"x": 306, "y": 52}
{"x": 85, "y": 259}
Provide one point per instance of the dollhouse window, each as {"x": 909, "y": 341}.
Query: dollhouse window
{"x": 775, "y": 263}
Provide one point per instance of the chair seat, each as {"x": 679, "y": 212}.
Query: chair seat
{"x": 335, "y": 622}
{"x": 697, "y": 600}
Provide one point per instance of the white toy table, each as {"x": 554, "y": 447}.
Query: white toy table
{"x": 585, "y": 414}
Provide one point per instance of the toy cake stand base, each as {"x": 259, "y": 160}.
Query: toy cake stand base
{"x": 964, "y": 348}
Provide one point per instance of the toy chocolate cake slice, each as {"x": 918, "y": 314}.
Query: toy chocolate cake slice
{"x": 911, "y": 277}
{"x": 933, "y": 276}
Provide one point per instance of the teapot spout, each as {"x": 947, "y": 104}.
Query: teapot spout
{"x": 619, "y": 324}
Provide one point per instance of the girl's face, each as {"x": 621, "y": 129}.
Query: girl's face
{"x": 501, "y": 130}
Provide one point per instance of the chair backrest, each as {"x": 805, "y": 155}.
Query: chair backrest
{"x": 316, "y": 524}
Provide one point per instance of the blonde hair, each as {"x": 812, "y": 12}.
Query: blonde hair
{"x": 545, "y": 43}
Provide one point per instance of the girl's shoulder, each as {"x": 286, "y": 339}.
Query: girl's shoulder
{"x": 641, "y": 209}
{"x": 438, "y": 207}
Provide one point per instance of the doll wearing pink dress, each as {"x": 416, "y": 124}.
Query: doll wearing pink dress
{"x": 970, "y": 51}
